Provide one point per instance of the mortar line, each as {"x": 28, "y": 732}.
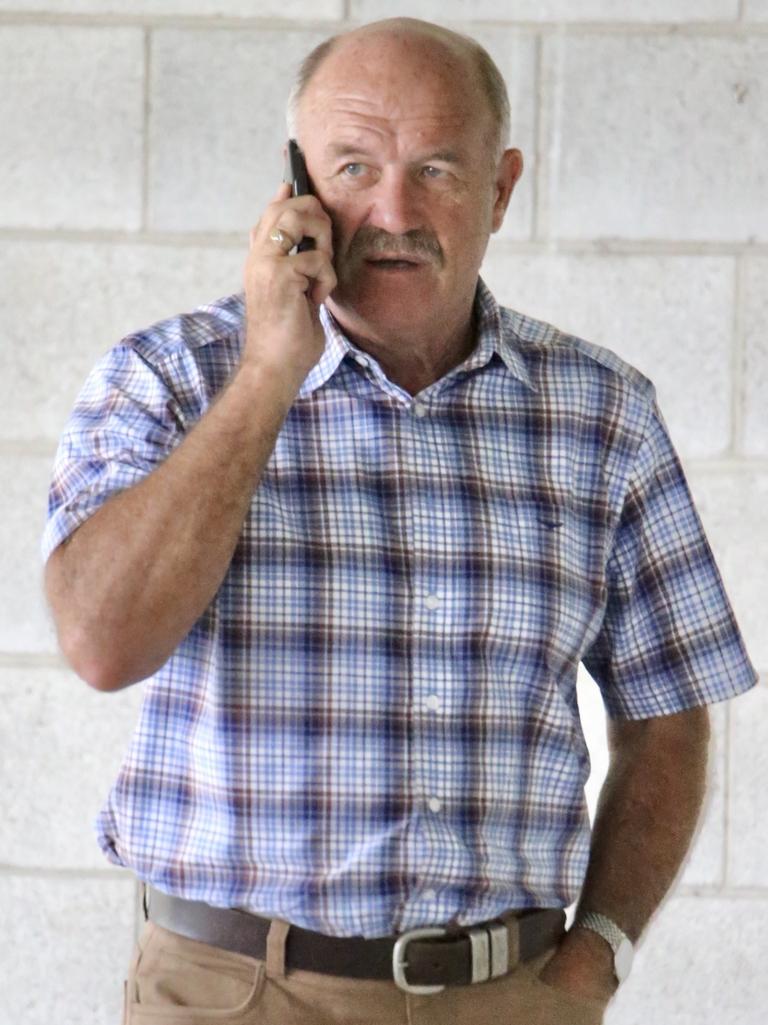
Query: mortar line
{"x": 553, "y": 127}
{"x": 538, "y": 158}
{"x": 725, "y": 875}
{"x": 44, "y": 447}
{"x": 693, "y": 892}
{"x": 725, "y": 464}
{"x": 146, "y": 103}
{"x": 738, "y": 360}
{"x": 661, "y": 246}
{"x": 169, "y": 21}
{"x": 725, "y": 27}
{"x": 724, "y": 818}
{"x": 35, "y": 872}
{"x": 131, "y": 238}
{"x": 31, "y": 660}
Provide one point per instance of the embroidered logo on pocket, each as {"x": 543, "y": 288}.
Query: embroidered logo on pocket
{"x": 549, "y": 523}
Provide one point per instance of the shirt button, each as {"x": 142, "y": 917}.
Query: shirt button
{"x": 432, "y": 601}
{"x": 361, "y": 360}
{"x": 419, "y": 409}
{"x": 430, "y": 895}
{"x": 434, "y": 805}
{"x": 433, "y": 702}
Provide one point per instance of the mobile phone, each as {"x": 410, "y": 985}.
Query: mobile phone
{"x": 297, "y": 177}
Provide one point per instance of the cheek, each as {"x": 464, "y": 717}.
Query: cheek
{"x": 342, "y": 229}
{"x": 465, "y": 232}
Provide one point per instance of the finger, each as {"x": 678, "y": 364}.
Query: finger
{"x": 323, "y": 286}
{"x": 281, "y": 202}
{"x": 299, "y": 225}
{"x": 318, "y": 271}
{"x": 283, "y": 192}
{"x": 308, "y": 204}
{"x": 282, "y": 239}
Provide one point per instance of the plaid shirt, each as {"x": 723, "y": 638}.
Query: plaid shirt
{"x": 374, "y": 726}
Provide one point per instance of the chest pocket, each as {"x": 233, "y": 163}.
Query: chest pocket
{"x": 548, "y": 579}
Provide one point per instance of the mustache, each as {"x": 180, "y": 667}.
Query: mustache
{"x": 369, "y": 241}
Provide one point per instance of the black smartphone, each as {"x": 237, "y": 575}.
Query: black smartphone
{"x": 297, "y": 178}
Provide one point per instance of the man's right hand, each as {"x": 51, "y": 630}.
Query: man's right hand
{"x": 283, "y": 291}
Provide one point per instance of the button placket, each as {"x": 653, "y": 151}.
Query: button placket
{"x": 426, "y": 621}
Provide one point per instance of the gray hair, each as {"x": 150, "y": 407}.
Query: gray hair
{"x": 489, "y": 77}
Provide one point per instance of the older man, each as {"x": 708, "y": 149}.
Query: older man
{"x": 360, "y": 528}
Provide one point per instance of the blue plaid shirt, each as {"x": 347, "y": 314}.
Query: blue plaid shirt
{"x": 374, "y": 726}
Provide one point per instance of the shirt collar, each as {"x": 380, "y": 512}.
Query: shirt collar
{"x": 492, "y": 338}
{"x": 337, "y": 345}
{"x": 495, "y": 336}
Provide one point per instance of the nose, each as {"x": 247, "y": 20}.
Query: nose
{"x": 396, "y": 204}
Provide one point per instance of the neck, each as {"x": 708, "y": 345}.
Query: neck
{"x": 411, "y": 358}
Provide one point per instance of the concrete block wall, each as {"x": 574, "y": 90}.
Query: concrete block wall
{"x": 139, "y": 140}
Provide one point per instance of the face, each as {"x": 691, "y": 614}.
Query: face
{"x": 395, "y": 132}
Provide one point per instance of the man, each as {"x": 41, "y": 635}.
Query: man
{"x": 359, "y": 528}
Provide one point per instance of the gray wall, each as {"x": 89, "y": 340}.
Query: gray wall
{"x": 139, "y": 142}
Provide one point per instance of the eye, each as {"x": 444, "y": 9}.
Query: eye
{"x": 430, "y": 171}
{"x": 353, "y": 170}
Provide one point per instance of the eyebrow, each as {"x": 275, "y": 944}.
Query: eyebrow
{"x": 343, "y": 149}
{"x": 447, "y": 156}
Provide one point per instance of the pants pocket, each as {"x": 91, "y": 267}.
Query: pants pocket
{"x": 176, "y": 980}
{"x": 561, "y": 1008}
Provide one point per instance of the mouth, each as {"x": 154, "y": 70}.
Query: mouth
{"x": 394, "y": 263}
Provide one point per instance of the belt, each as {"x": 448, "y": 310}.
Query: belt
{"x": 433, "y": 957}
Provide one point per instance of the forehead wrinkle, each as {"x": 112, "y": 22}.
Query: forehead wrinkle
{"x": 391, "y": 64}
{"x": 355, "y": 124}
{"x": 330, "y": 103}
{"x": 359, "y": 101}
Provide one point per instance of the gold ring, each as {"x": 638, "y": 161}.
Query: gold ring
{"x": 281, "y": 237}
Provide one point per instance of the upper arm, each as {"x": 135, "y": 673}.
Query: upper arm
{"x": 125, "y": 422}
{"x": 668, "y": 639}
{"x": 680, "y": 731}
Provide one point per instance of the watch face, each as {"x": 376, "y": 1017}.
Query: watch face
{"x": 622, "y": 960}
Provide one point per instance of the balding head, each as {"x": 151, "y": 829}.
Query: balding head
{"x": 443, "y": 44}
{"x": 402, "y": 152}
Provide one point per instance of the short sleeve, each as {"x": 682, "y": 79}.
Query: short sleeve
{"x": 124, "y": 424}
{"x": 669, "y": 640}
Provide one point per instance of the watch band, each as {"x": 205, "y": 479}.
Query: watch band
{"x": 619, "y": 942}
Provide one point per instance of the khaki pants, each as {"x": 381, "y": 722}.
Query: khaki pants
{"x": 176, "y": 981}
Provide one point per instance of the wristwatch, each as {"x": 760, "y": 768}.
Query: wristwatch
{"x": 620, "y": 943}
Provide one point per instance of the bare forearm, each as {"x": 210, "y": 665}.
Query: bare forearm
{"x": 646, "y": 816}
{"x": 132, "y": 581}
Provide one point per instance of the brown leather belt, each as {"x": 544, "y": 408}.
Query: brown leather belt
{"x": 419, "y": 961}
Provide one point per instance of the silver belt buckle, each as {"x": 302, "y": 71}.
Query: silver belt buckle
{"x": 399, "y": 963}
{"x": 490, "y": 954}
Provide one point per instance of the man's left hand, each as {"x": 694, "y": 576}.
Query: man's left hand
{"x": 582, "y": 966}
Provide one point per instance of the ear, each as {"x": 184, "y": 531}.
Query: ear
{"x": 507, "y": 173}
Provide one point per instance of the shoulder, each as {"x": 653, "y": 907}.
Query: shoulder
{"x": 553, "y": 355}
{"x": 215, "y": 327}
{"x": 582, "y": 385}
{"x": 185, "y": 359}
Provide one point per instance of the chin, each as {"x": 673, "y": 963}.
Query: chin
{"x": 389, "y": 302}
{"x": 382, "y": 317}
